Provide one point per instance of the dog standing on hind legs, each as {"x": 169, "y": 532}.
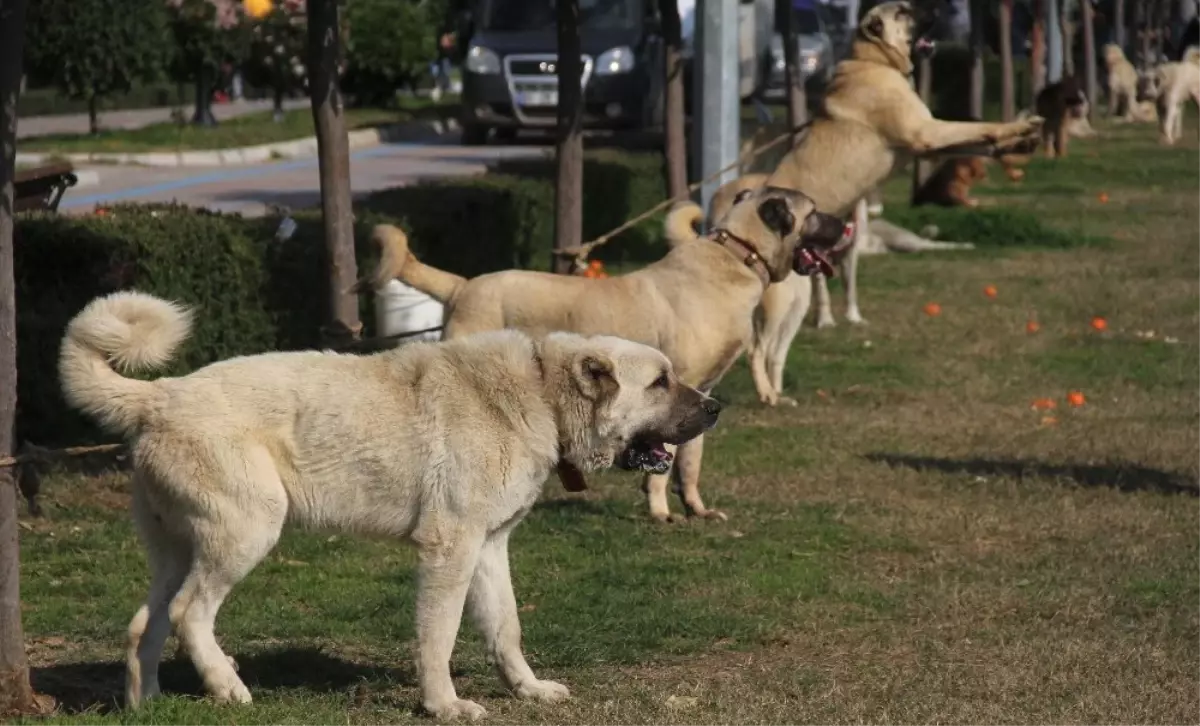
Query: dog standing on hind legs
{"x": 446, "y": 445}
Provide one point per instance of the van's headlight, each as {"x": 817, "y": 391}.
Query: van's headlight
{"x": 808, "y": 61}
{"x": 615, "y": 60}
{"x": 482, "y": 60}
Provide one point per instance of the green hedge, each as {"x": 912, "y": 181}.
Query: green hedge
{"x": 989, "y": 227}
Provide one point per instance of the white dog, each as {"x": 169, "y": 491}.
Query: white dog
{"x": 446, "y": 445}
{"x": 1169, "y": 85}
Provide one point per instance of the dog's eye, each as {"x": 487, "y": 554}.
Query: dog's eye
{"x": 663, "y": 381}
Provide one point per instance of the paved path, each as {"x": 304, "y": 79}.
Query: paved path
{"x": 292, "y": 184}
{"x": 77, "y": 123}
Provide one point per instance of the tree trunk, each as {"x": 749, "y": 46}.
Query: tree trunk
{"x": 1037, "y": 52}
{"x": 1139, "y": 34}
{"x": 1119, "y": 24}
{"x": 1008, "y": 96}
{"x": 277, "y": 114}
{"x": 922, "y": 168}
{"x": 1068, "y": 38}
{"x": 203, "y": 115}
{"x": 93, "y": 115}
{"x": 797, "y": 107}
{"x": 1054, "y": 42}
{"x": 977, "y": 91}
{"x": 333, "y": 159}
{"x": 674, "y": 114}
{"x": 16, "y": 695}
{"x": 1089, "y": 55}
{"x": 568, "y": 188}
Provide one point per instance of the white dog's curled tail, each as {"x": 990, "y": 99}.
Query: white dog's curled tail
{"x": 682, "y": 223}
{"x": 1192, "y": 55}
{"x": 126, "y": 331}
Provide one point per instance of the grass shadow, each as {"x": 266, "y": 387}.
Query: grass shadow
{"x": 1116, "y": 475}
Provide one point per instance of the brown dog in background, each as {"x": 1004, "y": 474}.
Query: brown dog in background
{"x": 1060, "y": 104}
{"x": 950, "y": 185}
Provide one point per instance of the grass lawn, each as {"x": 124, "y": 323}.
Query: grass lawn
{"x": 911, "y": 544}
{"x": 248, "y": 130}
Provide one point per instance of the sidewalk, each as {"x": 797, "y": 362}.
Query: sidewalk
{"x": 32, "y": 126}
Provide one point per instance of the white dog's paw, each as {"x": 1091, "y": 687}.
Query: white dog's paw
{"x": 854, "y": 317}
{"x": 459, "y": 708}
{"x": 826, "y": 321}
{"x": 539, "y": 690}
{"x": 233, "y": 692}
{"x": 788, "y": 401}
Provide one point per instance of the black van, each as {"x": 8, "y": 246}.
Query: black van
{"x": 509, "y": 72}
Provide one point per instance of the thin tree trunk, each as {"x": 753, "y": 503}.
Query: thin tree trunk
{"x": 1037, "y": 52}
{"x": 568, "y": 189}
{"x": 921, "y": 167}
{"x": 1119, "y": 24}
{"x": 673, "y": 112}
{"x": 1140, "y": 35}
{"x": 16, "y": 694}
{"x": 977, "y": 90}
{"x": 203, "y": 115}
{"x": 277, "y": 111}
{"x": 1067, "y": 25}
{"x": 1089, "y": 55}
{"x": 797, "y": 107}
{"x": 1008, "y": 96}
{"x": 333, "y": 159}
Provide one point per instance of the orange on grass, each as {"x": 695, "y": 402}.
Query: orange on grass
{"x": 1044, "y": 404}
{"x": 1099, "y": 324}
{"x": 1032, "y": 326}
{"x": 933, "y": 309}
{"x": 1103, "y": 197}
{"x": 1075, "y": 398}
{"x": 990, "y": 291}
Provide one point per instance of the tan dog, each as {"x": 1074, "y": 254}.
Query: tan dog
{"x": 1168, "y": 86}
{"x": 1122, "y": 84}
{"x": 695, "y": 304}
{"x": 871, "y": 120}
{"x": 444, "y": 444}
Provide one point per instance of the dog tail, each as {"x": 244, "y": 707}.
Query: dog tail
{"x": 396, "y": 262}
{"x": 683, "y": 222}
{"x": 129, "y": 331}
{"x": 1192, "y": 54}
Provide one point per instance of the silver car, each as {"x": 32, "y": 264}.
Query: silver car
{"x": 816, "y": 54}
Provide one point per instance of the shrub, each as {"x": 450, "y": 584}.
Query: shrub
{"x": 616, "y": 186}
{"x": 389, "y": 44}
{"x": 989, "y": 227}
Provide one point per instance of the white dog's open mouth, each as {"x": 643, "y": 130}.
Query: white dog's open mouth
{"x": 646, "y": 456}
{"x": 811, "y": 259}
{"x": 924, "y": 47}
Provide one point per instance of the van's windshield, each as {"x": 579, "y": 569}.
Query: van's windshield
{"x": 540, "y": 14}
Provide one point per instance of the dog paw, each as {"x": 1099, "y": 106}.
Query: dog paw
{"x": 664, "y": 517}
{"x": 828, "y": 322}
{"x": 547, "y": 691}
{"x": 788, "y": 401}
{"x": 710, "y": 514}
{"x": 233, "y": 692}
{"x": 855, "y": 318}
{"x": 457, "y": 709}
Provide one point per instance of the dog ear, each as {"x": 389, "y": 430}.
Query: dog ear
{"x": 874, "y": 28}
{"x": 595, "y": 374}
{"x": 742, "y": 195}
{"x": 778, "y": 218}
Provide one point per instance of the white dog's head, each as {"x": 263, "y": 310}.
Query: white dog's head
{"x": 618, "y": 403}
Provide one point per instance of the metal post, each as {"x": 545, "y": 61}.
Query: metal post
{"x": 716, "y": 75}
{"x": 1054, "y": 42}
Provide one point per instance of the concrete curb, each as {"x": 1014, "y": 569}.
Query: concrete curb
{"x": 425, "y": 130}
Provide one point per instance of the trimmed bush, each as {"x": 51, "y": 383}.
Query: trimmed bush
{"x": 988, "y": 227}
{"x": 616, "y": 186}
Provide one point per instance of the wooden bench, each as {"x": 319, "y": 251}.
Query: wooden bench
{"x": 42, "y": 188}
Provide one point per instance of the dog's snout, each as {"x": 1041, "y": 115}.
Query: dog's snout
{"x": 711, "y": 406}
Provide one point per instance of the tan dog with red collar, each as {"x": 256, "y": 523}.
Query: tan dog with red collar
{"x": 695, "y": 304}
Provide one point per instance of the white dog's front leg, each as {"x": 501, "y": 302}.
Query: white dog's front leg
{"x": 443, "y": 577}
{"x": 493, "y": 607}
{"x": 862, "y": 231}
{"x": 824, "y": 304}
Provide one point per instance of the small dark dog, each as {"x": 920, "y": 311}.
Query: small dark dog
{"x": 950, "y": 185}
{"x": 1060, "y": 104}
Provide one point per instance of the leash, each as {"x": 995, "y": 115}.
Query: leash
{"x": 580, "y": 253}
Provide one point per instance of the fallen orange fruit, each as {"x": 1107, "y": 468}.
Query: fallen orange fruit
{"x": 1103, "y": 197}
{"x": 1049, "y": 421}
{"x": 933, "y": 309}
{"x": 990, "y": 291}
{"x": 1099, "y": 324}
{"x": 1075, "y": 398}
{"x": 595, "y": 264}
{"x": 1044, "y": 404}
{"x": 1032, "y": 326}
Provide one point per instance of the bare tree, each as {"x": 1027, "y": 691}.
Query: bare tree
{"x": 673, "y": 111}
{"x": 1008, "y": 96}
{"x": 1088, "y": 22}
{"x": 568, "y": 188}
{"x": 16, "y": 694}
{"x": 1118, "y": 20}
{"x": 797, "y": 108}
{"x": 1066, "y": 24}
{"x": 1037, "y": 51}
{"x": 977, "y": 8}
{"x": 333, "y": 158}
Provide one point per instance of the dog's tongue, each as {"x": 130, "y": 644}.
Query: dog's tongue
{"x": 571, "y": 477}
{"x": 810, "y": 260}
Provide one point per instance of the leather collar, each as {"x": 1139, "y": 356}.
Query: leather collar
{"x": 744, "y": 251}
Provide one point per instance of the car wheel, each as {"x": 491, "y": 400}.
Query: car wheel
{"x": 506, "y": 135}
{"x": 474, "y": 135}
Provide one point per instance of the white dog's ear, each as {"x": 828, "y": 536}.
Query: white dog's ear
{"x": 595, "y": 374}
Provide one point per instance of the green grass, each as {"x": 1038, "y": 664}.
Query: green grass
{"x": 912, "y": 543}
{"x": 248, "y": 130}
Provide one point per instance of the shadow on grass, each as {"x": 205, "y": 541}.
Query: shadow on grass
{"x": 1125, "y": 477}
{"x": 99, "y": 686}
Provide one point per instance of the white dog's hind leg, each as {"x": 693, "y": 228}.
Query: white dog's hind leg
{"x": 168, "y": 558}
{"x": 243, "y": 508}
{"x": 781, "y": 343}
{"x": 824, "y": 305}
{"x": 448, "y": 559}
{"x": 655, "y": 486}
{"x": 493, "y": 608}
{"x": 862, "y": 230}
